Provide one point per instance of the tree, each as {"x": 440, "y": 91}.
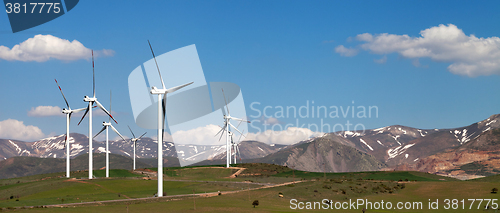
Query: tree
{"x": 494, "y": 190}
{"x": 255, "y": 203}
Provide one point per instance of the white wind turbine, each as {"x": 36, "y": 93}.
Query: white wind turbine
{"x": 236, "y": 146}
{"x": 162, "y": 105}
{"x": 68, "y": 111}
{"x": 227, "y": 125}
{"x": 105, "y": 127}
{"x": 91, "y": 101}
{"x": 134, "y": 141}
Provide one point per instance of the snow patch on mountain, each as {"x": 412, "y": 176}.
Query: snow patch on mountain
{"x": 18, "y": 149}
{"x": 362, "y": 141}
{"x": 398, "y": 150}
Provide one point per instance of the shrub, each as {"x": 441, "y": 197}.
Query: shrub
{"x": 494, "y": 190}
{"x": 255, "y": 203}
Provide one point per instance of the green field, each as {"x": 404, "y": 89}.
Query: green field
{"x": 338, "y": 187}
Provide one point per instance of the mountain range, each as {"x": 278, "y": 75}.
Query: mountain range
{"x": 468, "y": 151}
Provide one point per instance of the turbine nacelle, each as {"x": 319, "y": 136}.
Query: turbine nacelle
{"x": 66, "y": 111}
{"x": 89, "y": 99}
{"x": 104, "y": 123}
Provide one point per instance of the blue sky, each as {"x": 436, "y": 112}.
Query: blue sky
{"x": 281, "y": 53}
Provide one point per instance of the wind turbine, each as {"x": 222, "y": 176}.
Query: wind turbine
{"x": 134, "y": 140}
{"x": 68, "y": 111}
{"x": 236, "y": 147}
{"x": 105, "y": 127}
{"x": 227, "y": 125}
{"x": 162, "y": 104}
{"x": 91, "y": 103}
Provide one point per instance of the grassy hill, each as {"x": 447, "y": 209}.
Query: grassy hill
{"x": 26, "y": 166}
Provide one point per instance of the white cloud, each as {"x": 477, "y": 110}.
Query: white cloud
{"x": 272, "y": 121}
{"x": 268, "y": 120}
{"x": 44, "y": 111}
{"x": 14, "y": 129}
{"x": 206, "y": 136}
{"x": 468, "y": 54}
{"x": 383, "y": 60}
{"x": 291, "y": 135}
{"x": 343, "y": 51}
{"x": 200, "y": 136}
{"x": 42, "y": 48}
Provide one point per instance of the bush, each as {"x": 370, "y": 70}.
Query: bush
{"x": 255, "y": 203}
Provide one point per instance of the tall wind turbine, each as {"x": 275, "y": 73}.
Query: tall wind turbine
{"x": 105, "y": 127}
{"x": 91, "y": 102}
{"x": 134, "y": 141}
{"x": 227, "y": 125}
{"x": 68, "y": 111}
{"x": 162, "y": 105}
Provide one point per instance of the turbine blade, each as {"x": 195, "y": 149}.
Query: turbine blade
{"x": 225, "y": 102}
{"x": 93, "y": 74}
{"x": 234, "y": 127}
{"x": 110, "y": 111}
{"x": 157, "y": 67}
{"x": 221, "y": 129}
{"x": 164, "y": 106}
{"x": 84, "y": 114}
{"x": 131, "y": 131}
{"x": 99, "y": 132}
{"x": 105, "y": 111}
{"x": 222, "y": 132}
{"x": 67, "y": 104}
{"x": 239, "y": 119}
{"x": 112, "y": 127}
{"x": 173, "y": 89}
{"x": 239, "y": 139}
{"x": 142, "y": 135}
{"x": 78, "y": 110}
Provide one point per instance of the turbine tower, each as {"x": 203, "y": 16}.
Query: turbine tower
{"x": 105, "y": 127}
{"x": 91, "y": 103}
{"x": 68, "y": 111}
{"x": 134, "y": 141}
{"x": 227, "y": 126}
{"x": 162, "y": 105}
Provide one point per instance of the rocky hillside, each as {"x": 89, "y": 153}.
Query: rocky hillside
{"x": 397, "y": 145}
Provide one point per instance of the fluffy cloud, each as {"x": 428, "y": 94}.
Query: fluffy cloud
{"x": 291, "y": 135}
{"x": 44, "y": 111}
{"x": 200, "y": 136}
{"x": 468, "y": 54}
{"x": 14, "y": 129}
{"x": 44, "y": 47}
{"x": 343, "y": 51}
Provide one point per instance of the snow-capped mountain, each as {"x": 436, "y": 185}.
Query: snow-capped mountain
{"x": 397, "y": 144}
{"x": 54, "y": 147}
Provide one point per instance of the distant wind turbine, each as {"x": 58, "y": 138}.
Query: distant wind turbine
{"x": 105, "y": 127}
{"x": 227, "y": 126}
{"x": 68, "y": 111}
{"x": 134, "y": 141}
